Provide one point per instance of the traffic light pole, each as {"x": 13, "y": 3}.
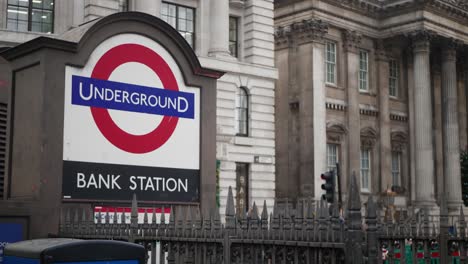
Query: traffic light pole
{"x": 340, "y": 202}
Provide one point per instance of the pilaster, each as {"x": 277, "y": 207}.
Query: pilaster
{"x": 385, "y": 153}
{"x": 351, "y": 42}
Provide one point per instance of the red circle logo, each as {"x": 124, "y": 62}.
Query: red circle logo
{"x": 112, "y": 59}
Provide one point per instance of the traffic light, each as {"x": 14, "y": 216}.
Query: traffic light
{"x": 328, "y": 186}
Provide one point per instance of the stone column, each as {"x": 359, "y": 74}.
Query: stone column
{"x": 152, "y": 7}
{"x": 219, "y": 28}
{"x": 385, "y": 146}
{"x": 319, "y": 110}
{"x": 450, "y": 126}
{"x": 351, "y": 42}
{"x": 424, "y": 153}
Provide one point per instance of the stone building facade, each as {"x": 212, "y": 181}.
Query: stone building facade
{"x": 378, "y": 86}
{"x": 233, "y": 36}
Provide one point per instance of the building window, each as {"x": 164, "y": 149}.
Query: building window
{"x": 393, "y": 78}
{"x": 363, "y": 71}
{"x": 242, "y": 187}
{"x": 396, "y": 157}
{"x": 233, "y": 35}
{"x": 365, "y": 170}
{"x": 181, "y": 18}
{"x": 330, "y": 60}
{"x": 332, "y": 157}
{"x": 242, "y": 112}
{"x": 31, "y": 15}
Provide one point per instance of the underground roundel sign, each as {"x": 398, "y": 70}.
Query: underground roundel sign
{"x": 131, "y": 125}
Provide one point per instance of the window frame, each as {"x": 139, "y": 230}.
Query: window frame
{"x": 332, "y": 63}
{"x": 176, "y": 27}
{"x": 397, "y": 171}
{"x": 247, "y": 185}
{"x": 368, "y": 170}
{"x": 30, "y": 18}
{"x": 336, "y": 157}
{"x": 236, "y": 41}
{"x": 395, "y": 78}
{"x": 237, "y": 114}
{"x": 362, "y": 71}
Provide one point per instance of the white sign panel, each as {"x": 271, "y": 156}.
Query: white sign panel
{"x": 131, "y": 125}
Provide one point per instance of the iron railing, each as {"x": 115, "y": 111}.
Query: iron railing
{"x": 312, "y": 232}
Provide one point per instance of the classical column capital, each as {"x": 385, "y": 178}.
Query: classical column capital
{"x": 283, "y": 37}
{"x": 421, "y": 39}
{"x": 351, "y": 40}
{"x": 303, "y": 31}
{"x": 449, "y": 48}
{"x": 310, "y": 30}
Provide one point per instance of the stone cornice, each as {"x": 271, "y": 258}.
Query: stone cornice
{"x": 303, "y": 31}
{"x": 384, "y": 8}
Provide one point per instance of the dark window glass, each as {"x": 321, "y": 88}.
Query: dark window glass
{"x": 233, "y": 35}
{"x": 31, "y": 15}
{"x": 242, "y": 187}
{"x": 242, "y": 112}
{"x": 181, "y": 18}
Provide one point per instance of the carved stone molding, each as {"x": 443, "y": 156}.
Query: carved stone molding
{"x": 283, "y": 37}
{"x": 335, "y": 106}
{"x": 400, "y": 118}
{"x": 351, "y": 40}
{"x": 335, "y": 132}
{"x": 310, "y": 30}
{"x": 399, "y": 141}
{"x": 303, "y": 31}
{"x": 368, "y": 137}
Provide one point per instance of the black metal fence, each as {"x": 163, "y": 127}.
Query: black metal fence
{"x": 309, "y": 233}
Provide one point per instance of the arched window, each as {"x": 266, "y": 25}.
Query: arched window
{"x": 242, "y": 112}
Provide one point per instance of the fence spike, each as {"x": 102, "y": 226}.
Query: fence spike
{"x": 230, "y": 209}
{"x": 122, "y": 217}
{"x": 310, "y": 208}
{"x": 61, "y": 222}
{"x": 107, "y": 218}
{"x": 188, "y": 222}
{"x": 114, "y": 217}
{"x": 254, "y": 212}
{"x": 171, "y": 218}
{"x": 163, "y": 216}
{"x": 326, "y": 212}
{"x": 264, "y": 211}
{"x": 90, "y": 222}
{"x": 371, "y": 221}
{"x": 145, "y": 217}
{"x": 275, "y": 208}
{"x": 134, "y": 214}
{"x": 153, "y": 217}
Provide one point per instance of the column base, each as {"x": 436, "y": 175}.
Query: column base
{"x": 425, "y": 204}
{"x": 454, "y": 205}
